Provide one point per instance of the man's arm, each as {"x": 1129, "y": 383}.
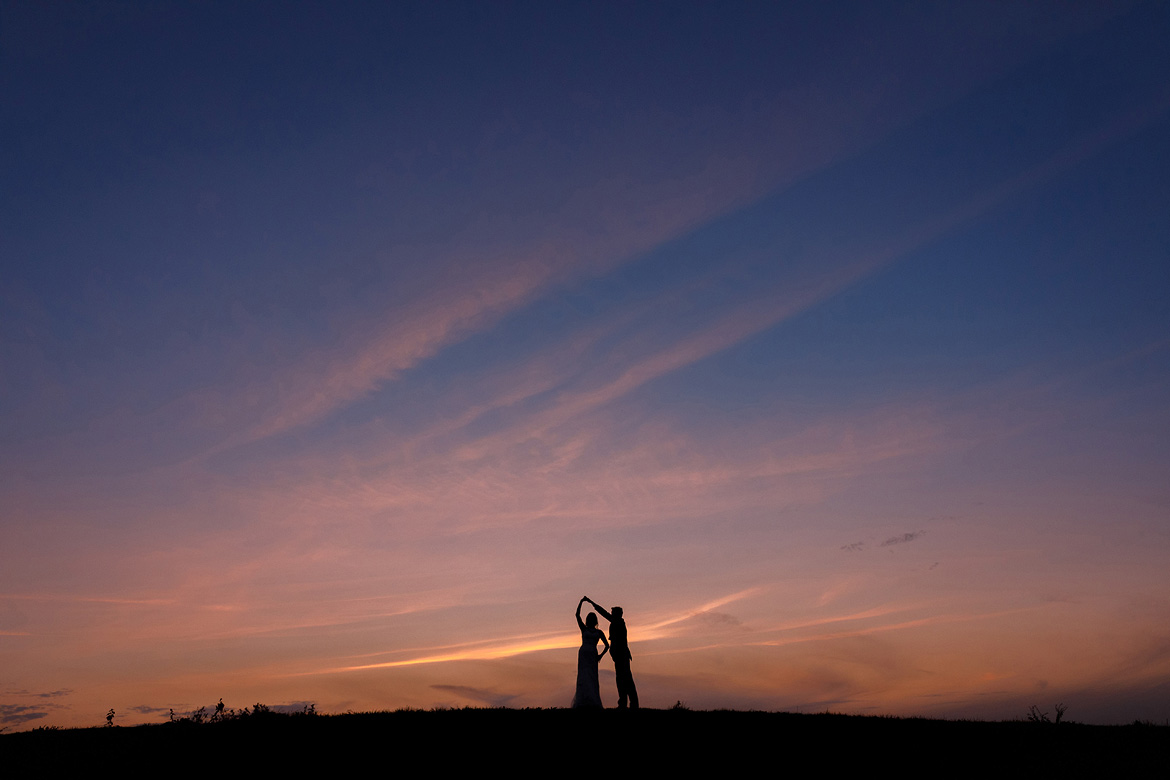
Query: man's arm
{"x": 600, "y": 609}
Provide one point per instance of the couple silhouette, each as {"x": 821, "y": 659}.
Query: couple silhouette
{"x": 588, "y": 688}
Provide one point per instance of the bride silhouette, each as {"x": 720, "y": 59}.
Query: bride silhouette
{"x": 588, "y": 691}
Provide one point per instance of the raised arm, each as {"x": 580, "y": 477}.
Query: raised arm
{"x": 600, "y": 610}
{"x": 579, "y": 623}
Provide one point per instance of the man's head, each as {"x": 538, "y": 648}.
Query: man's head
{"x": 617, "y": 612}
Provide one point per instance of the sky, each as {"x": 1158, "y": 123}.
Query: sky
{"x": 345, "y": 346}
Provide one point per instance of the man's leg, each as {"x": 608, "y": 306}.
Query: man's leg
{"x": 631, "y": 690}
{"x": 625, "y": 685}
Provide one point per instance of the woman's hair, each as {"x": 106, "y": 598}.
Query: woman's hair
{"x": 591, "y": 620}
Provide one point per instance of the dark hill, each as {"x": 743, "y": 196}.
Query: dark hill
{"x": 572, "y": 742}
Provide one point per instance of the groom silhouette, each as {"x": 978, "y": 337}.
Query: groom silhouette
{"x": 619, "y": 651}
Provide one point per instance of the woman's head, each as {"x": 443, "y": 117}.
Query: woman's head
{"x": 591, "y": 620}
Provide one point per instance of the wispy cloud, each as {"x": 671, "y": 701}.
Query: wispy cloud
{"x": 42, "y": 695}
{"x": 15, "y": 714}
{"x": 477, "y": 651}
{"x": 327, "y": 381}
{"x": 492, "y": 698}
{"x": 54, "y": 694}
{"x": 602, "y": 228}
{"x": 880, "y": 612}
{"x": 506, "y": 647}
{"x": 669, "y": 626}
{"x": 906, "y": 537}
{"x": 85, "y": 599}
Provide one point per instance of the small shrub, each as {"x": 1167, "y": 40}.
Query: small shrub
{"x": 1036, "y": 716}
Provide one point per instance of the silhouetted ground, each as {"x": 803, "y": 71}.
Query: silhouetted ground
{"x": 559, "y": 742}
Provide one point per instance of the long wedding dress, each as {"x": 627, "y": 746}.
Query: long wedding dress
{"x": 588, "y": 688}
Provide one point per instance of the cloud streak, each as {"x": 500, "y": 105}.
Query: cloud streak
{"x": 489, "y": 697}
{"x": 16, "y": 714}
{"x": 903, "y": 539}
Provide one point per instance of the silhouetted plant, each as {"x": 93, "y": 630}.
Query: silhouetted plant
{"x": 1036, "y": 716}
{"x": 110, "y": 717}
{"x": 678, "y": 705}
{"x": 223, "y": 714}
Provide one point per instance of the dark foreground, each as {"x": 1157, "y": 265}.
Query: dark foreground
{"x": 566, "y": 742}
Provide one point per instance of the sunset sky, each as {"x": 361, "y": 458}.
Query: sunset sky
{"x": 345, "y": 346}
